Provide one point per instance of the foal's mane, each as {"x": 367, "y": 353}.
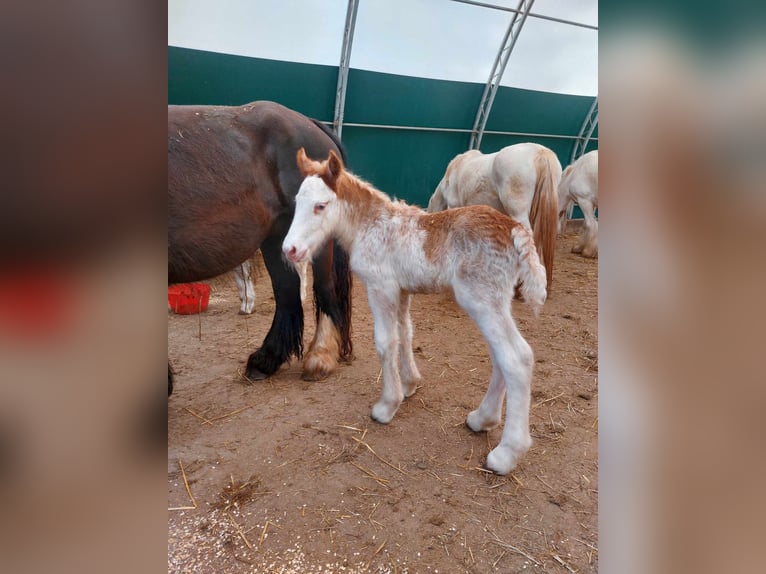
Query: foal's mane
{"x": 346, "y": 185}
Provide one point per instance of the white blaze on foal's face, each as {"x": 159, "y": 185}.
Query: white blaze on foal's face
{"x": 313, "y": 220}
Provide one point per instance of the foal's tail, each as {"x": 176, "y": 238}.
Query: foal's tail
{"x": 543, "y": 215}
{"x": 531, "y": 272}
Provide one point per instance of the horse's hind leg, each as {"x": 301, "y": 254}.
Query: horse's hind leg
{"x": 333, "y": 310}
{"x": 512, "y": 360}
{"x": 490, "y": 411}
{"x": 589, "y": 239}
{"x": 285, "y": 338}
{"x": 408, "y": 370}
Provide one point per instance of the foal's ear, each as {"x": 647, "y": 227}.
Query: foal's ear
{"x": 334, "y": 167}
{"x": 305, "y": 165}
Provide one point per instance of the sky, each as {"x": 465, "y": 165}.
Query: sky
{"x": 438, "y": 39}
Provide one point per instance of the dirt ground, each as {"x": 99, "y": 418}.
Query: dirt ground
{"x": 295, "y": 477}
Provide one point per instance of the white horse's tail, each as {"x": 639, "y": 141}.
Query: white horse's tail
{"x": 543, "y": 215}
{"x": 531, "y": 271}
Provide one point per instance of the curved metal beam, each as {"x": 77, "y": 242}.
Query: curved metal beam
{"x": 345, "y": 58}
{"x": 586, "y": 131}
{"x": 501, "y": 60}
{"x": 531, "y": 14}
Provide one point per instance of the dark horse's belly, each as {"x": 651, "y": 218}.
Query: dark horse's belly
{"x": 232, "y": 179}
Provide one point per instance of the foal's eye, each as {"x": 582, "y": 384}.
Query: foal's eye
{"x": 319, "y": 207}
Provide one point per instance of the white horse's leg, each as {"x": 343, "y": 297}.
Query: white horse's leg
{"x": 245, "y": 287}
{"x": 513, "y": 358}
{"x": 589, "y": 239}
{"x": 408, "y": 370}
{"x": 385, "y": 311}
{"x": 564, "y": 207}
{"x": 490, "y": 411}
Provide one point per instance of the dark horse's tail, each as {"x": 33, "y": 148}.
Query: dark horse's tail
{"x": 340, "y": 312}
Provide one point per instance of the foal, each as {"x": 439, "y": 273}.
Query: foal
{"x": 398, "y": 250}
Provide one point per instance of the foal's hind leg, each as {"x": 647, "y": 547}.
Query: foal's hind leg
{"x": 408, "y": 370}
{"x": 490, "y": 411}
{"x": 512, "y": 357}
{"x": 285, "y": 338}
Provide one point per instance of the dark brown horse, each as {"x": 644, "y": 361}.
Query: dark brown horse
{"x": 232, "y": 181}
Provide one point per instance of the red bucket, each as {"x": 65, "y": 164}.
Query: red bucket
{"x": 188, "y": 298}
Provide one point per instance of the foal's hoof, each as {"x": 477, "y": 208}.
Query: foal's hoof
{"x": 383, "y": 413}
{"x": 477, "y": 423}
{"x": 500, "y": 461}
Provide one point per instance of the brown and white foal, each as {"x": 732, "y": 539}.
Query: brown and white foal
{"x": 397, "y": 250}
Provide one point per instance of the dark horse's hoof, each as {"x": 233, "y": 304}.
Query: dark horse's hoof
{"x": 255, "y": 374}
{"x": 261, "y": 365}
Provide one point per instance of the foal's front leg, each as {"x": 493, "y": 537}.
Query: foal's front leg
{"x": 410, "y": 376}
{"x": 384, "y": 305}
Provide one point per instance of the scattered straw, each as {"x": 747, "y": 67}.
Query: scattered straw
{"x": 564, "y": 564}
{"x": 199, "y": 416}
{"x": 263, "y": 532}
{"x": 186, "y": 484}
{"x": 561, "y": 394}
{"x": 496, "y": 540}
{"x": 239, "y": 530}
{"x": 377, "y": 551}
{"x": 232, "y": 413}
{"x": 587, "y": 544}
{"x": 379, "y": 479}
{"x": 545, "y": 483}
{"x": 376, "y": 455}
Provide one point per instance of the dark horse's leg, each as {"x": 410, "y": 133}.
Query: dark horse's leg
{"x": 285, "y": 338}
{"x": 332, "y": 301}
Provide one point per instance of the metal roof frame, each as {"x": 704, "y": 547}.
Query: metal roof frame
{"x": 345, "y": 59}
{"x": 520, "y": 14}
{"x": 586, "y": 131}
{"x": 531, "y": 14}
{"x": 498, "y": 68}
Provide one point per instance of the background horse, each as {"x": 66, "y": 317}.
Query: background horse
{"x": 579, "y": 184}
{"x": 519, "y": 180}
{"x": 232, "y": 181}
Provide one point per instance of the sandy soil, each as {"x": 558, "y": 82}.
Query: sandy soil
{"x": 290, "y": 476}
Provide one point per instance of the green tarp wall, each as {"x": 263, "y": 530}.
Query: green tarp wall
{"x": 407, "y": 164}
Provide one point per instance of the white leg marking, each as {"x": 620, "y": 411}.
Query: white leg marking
{"x": 302, "y": 269}
{"x": 245, "y": 287}
{"x": 322, "y": 356}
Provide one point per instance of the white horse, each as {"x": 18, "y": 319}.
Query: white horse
{"x": 397, "y": 250}
{"x": 579, "y": 184}
{"x": 519, "y": 180}
{"x": 243, "y": 277}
